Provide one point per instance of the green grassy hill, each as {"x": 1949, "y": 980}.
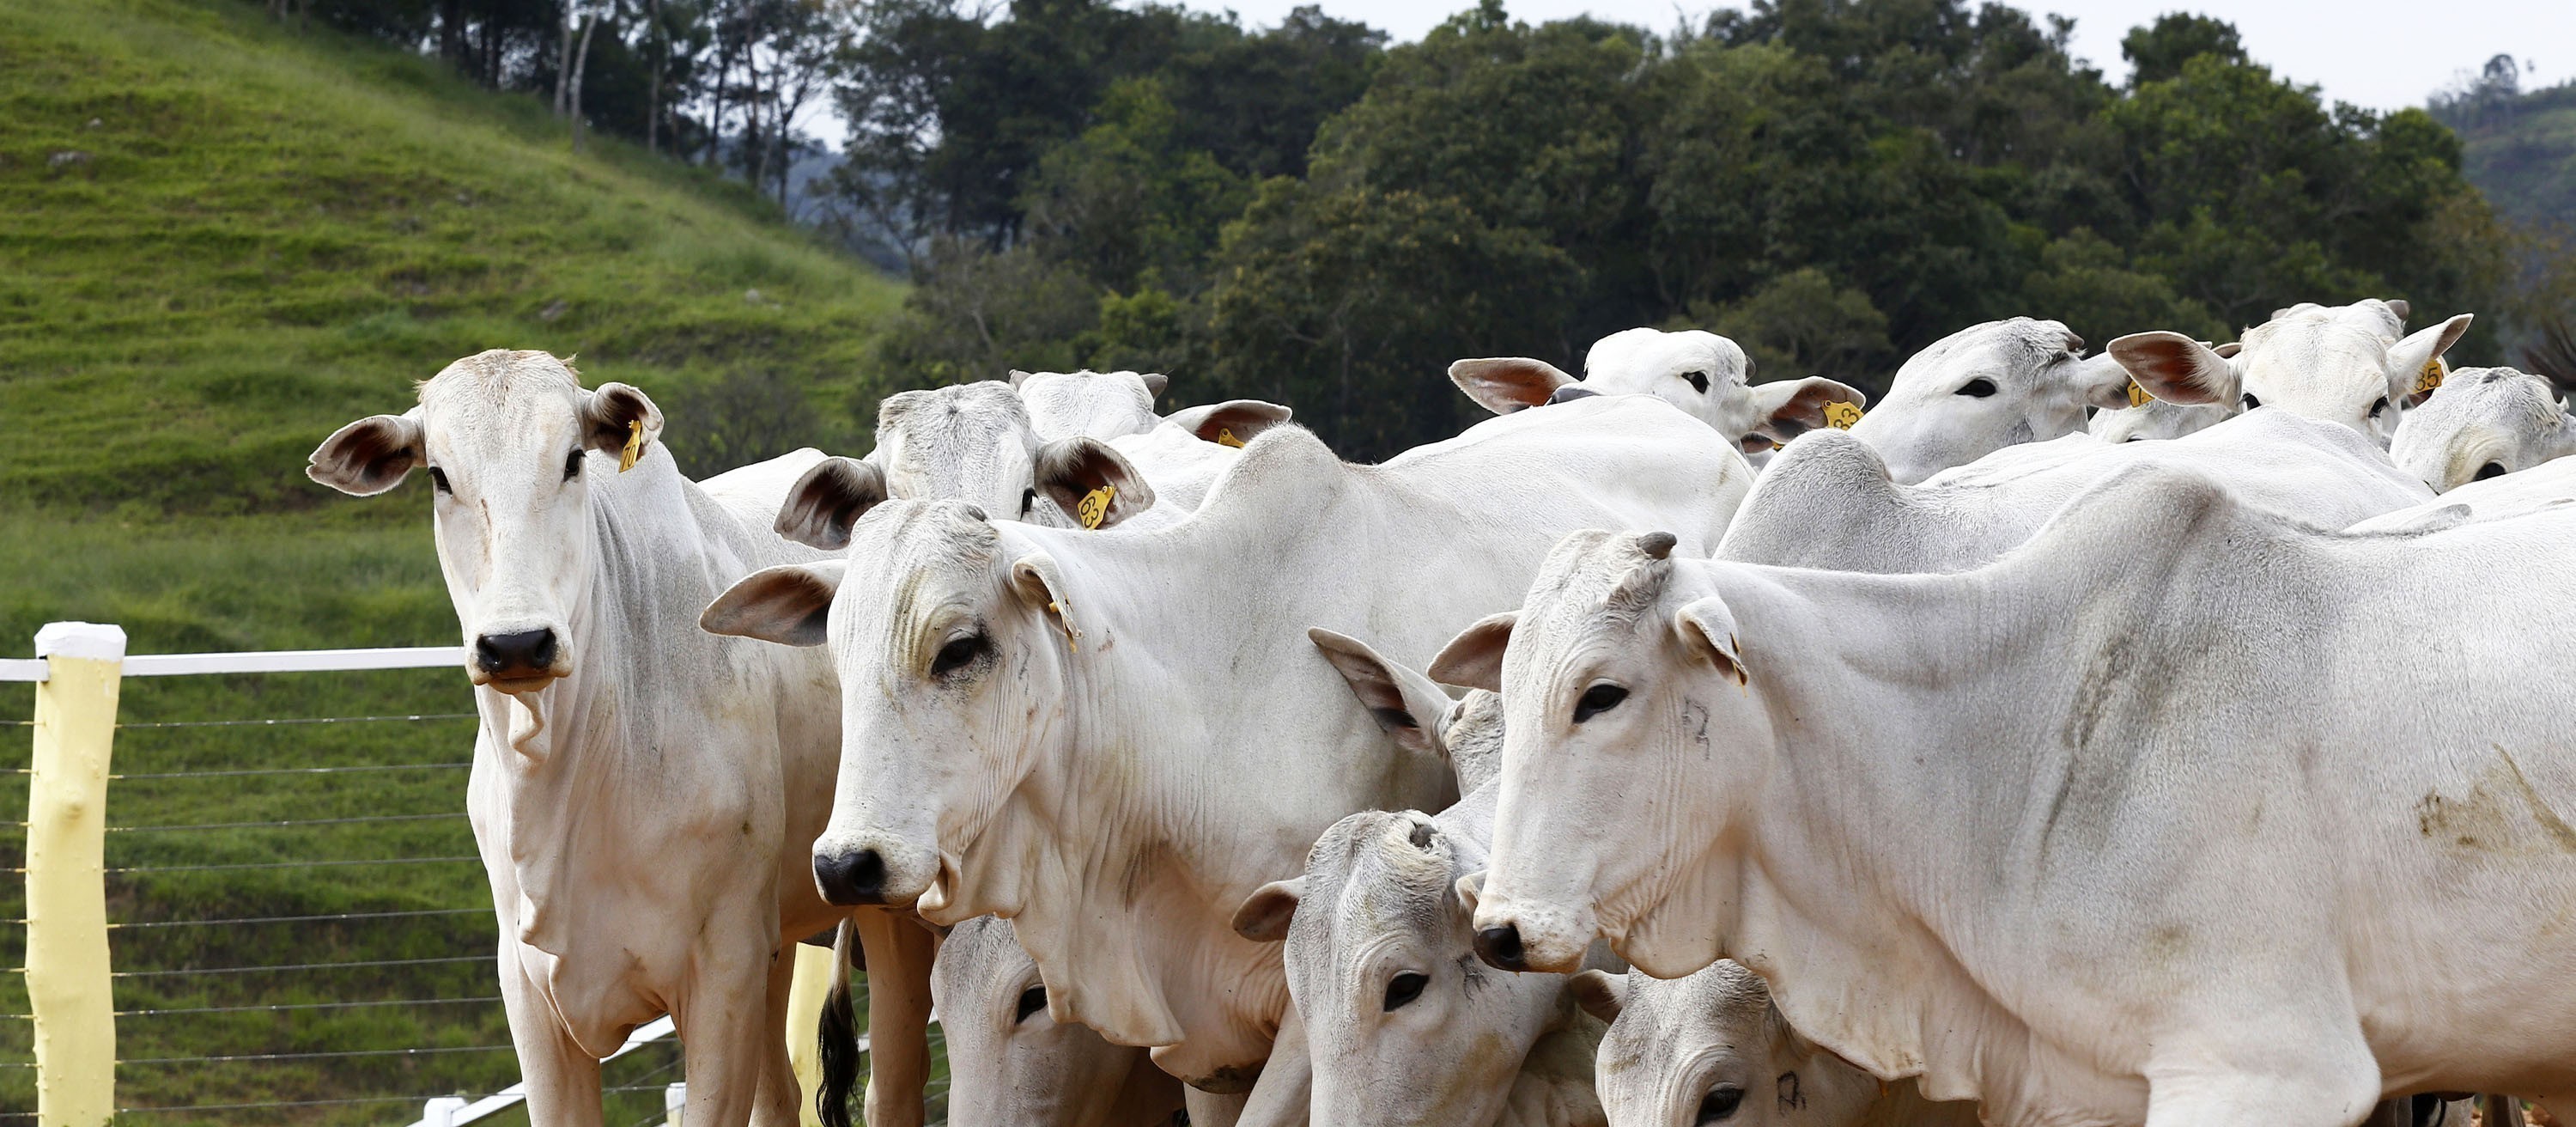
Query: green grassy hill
{"x": 219, "y": 240}
{"x": 2521, "y": 152}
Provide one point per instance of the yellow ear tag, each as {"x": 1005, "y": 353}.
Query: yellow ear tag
{"x": 2431, "y": 376}
{"x": 634, "y": 446}
{"x": 1227, "y": 438}
{"x": 1841, "y": 416}
{"x": 2138, "y": 396}
{"x": 1064, "y": 618}
{"x": 1094, "y": 507}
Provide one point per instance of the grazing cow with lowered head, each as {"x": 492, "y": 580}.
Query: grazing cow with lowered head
{"x": 1955, "y": 820}
{"x": 1710, "y": 1049}
{"x": 1050, "y": 726}
{"x": 643, "y": 794}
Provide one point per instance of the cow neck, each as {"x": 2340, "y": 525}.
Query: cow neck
{"x": 656, "y": 542}
{"x": 1200, "y": 808}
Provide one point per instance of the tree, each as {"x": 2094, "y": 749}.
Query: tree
{"x": 2158, "y": 52}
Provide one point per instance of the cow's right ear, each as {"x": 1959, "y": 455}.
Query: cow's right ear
{"x": 2175, "y": 368}
{"x": 1600, "y": 993}
{"x": 369, "y": 456}
{"x": 1265, "y": 914}
{"x": 1785, "y": 409}
{"x": 1091, "y": 481}
{"x": 1475, "y": 657}
{"x": 1405, "y": 704}
{"x": 1707, "y": 628}
{"x": 1238, "y": 420}
{"x": 823, "y": 505}
{"x": 788, "y": 604}
{"x": 1504, "y": 384}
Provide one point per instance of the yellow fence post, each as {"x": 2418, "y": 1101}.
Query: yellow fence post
{"x": 67, "y": 979}
{"x": 804, "y": 1015}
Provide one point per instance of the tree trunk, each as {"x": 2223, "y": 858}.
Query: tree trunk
{"x": 563, "y": 60}
{"x": 653, "y": 92}
{"x": 580, "y": 64}
{"x": 451, "y": 32}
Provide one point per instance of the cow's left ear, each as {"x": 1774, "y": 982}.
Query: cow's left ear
{"x": 1788, "y": 408}
{"x": 1155, "y": 383}
{"x": 612, "y": 416}
{"x": 1708, "y": 629}
{"x": 1039, "y": 583}
{"x": 1475, "y": 657}
{"x": 369, "y": 456}
{"x": 2101, "y": 382}
{"x": 1504, "y": 384}
{"x": 788, "y": 604}
{"x": 823, "y": 505}
{"x": 1265, "y": 914}
{"x": 2408, "y": 358}
{"x": 1600, "y": 993}
{"x": 2175, "y": 368}
{"x": 1231, "y": 423}
{"x": 1405, "y": 704}
{"x": 1091, "y": 481}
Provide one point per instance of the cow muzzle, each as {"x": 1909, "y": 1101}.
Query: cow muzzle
{"x": 516, "y": 661}
{"x": 1520, "y": 939}
{"x": 872, "y": 871}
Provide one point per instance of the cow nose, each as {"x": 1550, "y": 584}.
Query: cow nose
{"x": 526, "y": 650}
{"x": 851, "y": 878}
{"x": 1501, "y": 947}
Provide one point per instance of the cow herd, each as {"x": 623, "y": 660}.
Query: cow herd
{"x": 2164, "y": 737}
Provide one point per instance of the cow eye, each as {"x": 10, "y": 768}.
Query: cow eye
{"x": 1028, "y": 500}
{"x": 438, "y": 480}
{"x": 2489, "y": 470}
{"x": 572, "y": 466}
{"x": 2250, "y": 402}
{"x": 1032, "y": 1000}
{"x": 1698, "y": 381}
{"x": 1720, "y": 1104}
{"x": 1597, "y": 700}
{"x": 956, "y": 654}
{"x": 2378, "y": 407}
{"x": 1403, "y": 989}
{"x": 1977, "y": 388}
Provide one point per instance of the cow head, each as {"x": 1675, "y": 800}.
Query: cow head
{"x": 2341, "y": 364}
{"x": 1710, "y": 1049}
{"x": 976, "y": 443}
{"x": 1010, "y": 1061}
{"x": 2482, "y": 423}
{"x": 1098, "y": 404}
{"x": 1704, "y": 374}
{"x": 1609, "y": 678}
{"x": 509, "y": 440}
{"x": 954, "y": 646}
{"x": 1986, "y": 387}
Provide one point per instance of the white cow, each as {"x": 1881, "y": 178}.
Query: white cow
{"x": 1702, "y": 373}
{"x": 1053, "y": 727}
{"x": 1986, "y": 387}
{"x": 2483, "y": 423}
{"x": 642, "y": 794}
{"x": 2343, "y": 364}
{"x": 1010, "y": 1062}
{"x": 1829, "y": 501}
{"x": 2548, "y": 485}
{"x": 1098, "y": 404}
{"x": 1402, "y": 1025}
{"x": 1709, "y": 1048}
{"x": 2140, "y": 823}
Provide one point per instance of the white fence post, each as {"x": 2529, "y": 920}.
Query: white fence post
{"x": 675, "y": 1100}
{"x": 67, "y": 975}
{"x": 441, "y": 1111}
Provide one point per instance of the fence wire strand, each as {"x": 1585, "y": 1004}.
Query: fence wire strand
{"x": 299, "y": 720}
{"x": 335, "y": 916}
{"x": 304, "y": 1006}
{"x": 285, "y": 771}
{"x": 288, "y": 823}
{"x": 450, "y": 959}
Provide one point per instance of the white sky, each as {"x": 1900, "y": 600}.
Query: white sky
{"x": 2377, "y": 53}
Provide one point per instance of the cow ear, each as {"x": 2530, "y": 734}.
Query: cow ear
{"x": 1231, "y": 423}
{"x": 617, "y": 414}
{"x": 1018, "y": 377}
{"x": 1265, "y": 914}
{"x": 2175, "y": 368}
{"x": 1475, "y": 657}
{"x": 823, "y": 505}
{"x": 789, "y": 604}
{"x": 369, "y": 456}
{"x": 1468, "y": 889}
{"x": 1600, "y": 993}
{"x": 1786, "y": 409}
{"x": 2409, "y": 358}
{"x": 1504, "y": 384}
{"x": 2101, "y": 382}
{"x": 1155, "y": 383}
{"x": 2401, "y": 307}
{"x": 2228, "y": 350}
{"x": 1039, "y": 583}
{"x": 1708, "y": 629}
{"x": 1405, "y": 704}
{"x": 1074, "y": 471}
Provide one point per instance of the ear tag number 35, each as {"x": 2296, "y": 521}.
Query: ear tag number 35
{"x": 1094, "y": 506}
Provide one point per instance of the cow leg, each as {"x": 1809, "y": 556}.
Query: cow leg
{"x": 732, "y": 1028}
{"x": 776, "y": 1099}
{"x": 1210, "y": 1110}
{"x": 899, "y": 952}
{"x": 562, "y": 1080}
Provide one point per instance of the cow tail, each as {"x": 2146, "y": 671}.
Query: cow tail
{"x": 837, "y": 1035}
